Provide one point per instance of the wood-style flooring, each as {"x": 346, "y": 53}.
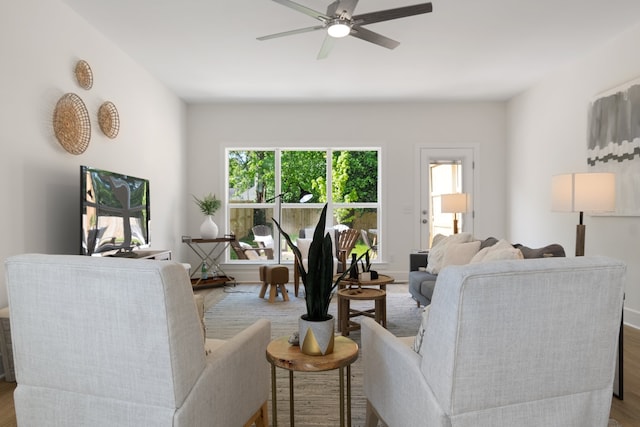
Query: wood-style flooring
{"x": 626, "y": 412}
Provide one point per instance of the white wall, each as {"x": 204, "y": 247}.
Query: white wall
{"x": 40, "y": 43}
{"x": 547, "y": 135}
{"x": 399, "y": 128}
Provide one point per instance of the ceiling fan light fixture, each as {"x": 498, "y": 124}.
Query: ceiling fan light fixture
{"x": 339, "y": 28}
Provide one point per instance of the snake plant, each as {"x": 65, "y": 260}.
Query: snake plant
{"x": 318, "y": 278}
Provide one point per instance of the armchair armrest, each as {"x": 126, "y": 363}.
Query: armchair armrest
{"x": 236, "y": 381}
{"x": 391, "y": 368}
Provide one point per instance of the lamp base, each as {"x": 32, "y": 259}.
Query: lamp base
{"x": 580, "y": 234}
{"x": 455, "y": 225}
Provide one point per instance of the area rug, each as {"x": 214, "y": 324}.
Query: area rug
{"x": 316, "y": 394}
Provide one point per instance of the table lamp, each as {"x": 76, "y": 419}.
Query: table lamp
{"x": 454, "y": 203}
{"x": 583, "y": 192}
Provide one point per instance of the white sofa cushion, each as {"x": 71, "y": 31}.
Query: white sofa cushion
{"x": 503, "y": 254}
{"x": 436, "y": 253}
{"x": 460, "y": 253}
{"x": 499, "y": 247}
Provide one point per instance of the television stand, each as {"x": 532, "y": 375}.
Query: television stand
{"x": 160, "y": 255}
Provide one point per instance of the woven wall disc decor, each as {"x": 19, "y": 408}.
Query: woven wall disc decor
{"x": 84, "y": 75}
{"x": 109, "y": 119}
{"x": 71, "y": 123}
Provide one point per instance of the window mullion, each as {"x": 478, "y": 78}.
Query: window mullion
{"x": 329, "y": 189}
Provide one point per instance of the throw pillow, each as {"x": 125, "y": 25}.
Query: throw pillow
{"x": 460, "y": 253}
{"x": 482, "y": 253}
{"x": 437, "y": 238}
{"x": 436, "y": 253}
{"x": 489, "y": 241}
{"x": 417, "y": 342}
{"x": 502, "y": 254}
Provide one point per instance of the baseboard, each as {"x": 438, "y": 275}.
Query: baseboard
{"x": 632, "y": 318}
{"x": 249, "y": 274}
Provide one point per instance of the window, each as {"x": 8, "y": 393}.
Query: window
{"x": 446, "y": 177}
{"x": 266, "y": 184}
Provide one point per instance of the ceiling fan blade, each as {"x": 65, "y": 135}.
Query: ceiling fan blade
{"x": 386, "y": 15}
{"x": 304, "y": 9}
{"x": 372, "y": 37}
{"x": 327, "y": 45}
{"x": 339, "y": 7}
{"x": 291, "y": 32}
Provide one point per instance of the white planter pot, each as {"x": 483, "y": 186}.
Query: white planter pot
{"x": 208, "y": 229}
{"x": 316, "y": 338}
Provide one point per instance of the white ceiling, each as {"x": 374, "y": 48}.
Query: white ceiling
{"x": 206, "y": 50}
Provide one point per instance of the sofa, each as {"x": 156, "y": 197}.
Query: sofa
{"x": 510, "y": 343}
{"x": 460, "y": 249}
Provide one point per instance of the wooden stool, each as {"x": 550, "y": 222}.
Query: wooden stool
{"x": 276, "y": 276}
{"x": 379, "y": 312}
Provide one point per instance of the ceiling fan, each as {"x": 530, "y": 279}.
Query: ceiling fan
{"x": 339, "y": 21}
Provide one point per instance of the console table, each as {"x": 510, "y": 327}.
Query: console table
{"x": 160, "y": 255}
{"x": 209, "y": 251}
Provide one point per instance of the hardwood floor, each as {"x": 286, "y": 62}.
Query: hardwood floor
{"x": 7, "y": 411}
{"x": 626, "y": 412}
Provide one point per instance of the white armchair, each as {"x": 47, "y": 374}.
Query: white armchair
{"x": 118, "y": 342}
{"x": 509, "y": 343}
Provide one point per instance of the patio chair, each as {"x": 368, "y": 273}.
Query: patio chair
{"x": 373, "y": 247}
{"x": 263, "y": 236}
{"x": 245, "y": 251}
{"x": 346, "y": 241}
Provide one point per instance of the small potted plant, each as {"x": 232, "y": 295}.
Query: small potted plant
{"x": 319, "y": 285}
{"x": 208, "y": 205}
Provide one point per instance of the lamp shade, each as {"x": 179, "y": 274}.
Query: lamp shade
{"x": 305, "y": 196}
{"x": 453, "y": 203}
{"x": 583, "y": 192}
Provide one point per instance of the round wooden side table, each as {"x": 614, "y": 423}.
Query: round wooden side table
{"x": 382, "y": 281}
{"x": 379, "y": 312}
{"x": 283, "y": 355}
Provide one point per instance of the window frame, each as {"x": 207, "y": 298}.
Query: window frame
{"x": 273, "y": 205}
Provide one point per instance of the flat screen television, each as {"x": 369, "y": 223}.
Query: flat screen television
{"x": 115, "y": 212}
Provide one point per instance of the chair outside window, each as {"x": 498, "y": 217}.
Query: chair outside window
{"x": 262, "y": 236}
{"x": 346, "y": 241}
{"x": 247, "y": 252}
{"x": 373, "y": 247}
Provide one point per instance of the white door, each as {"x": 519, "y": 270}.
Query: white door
{"x": 444, "y": 171}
